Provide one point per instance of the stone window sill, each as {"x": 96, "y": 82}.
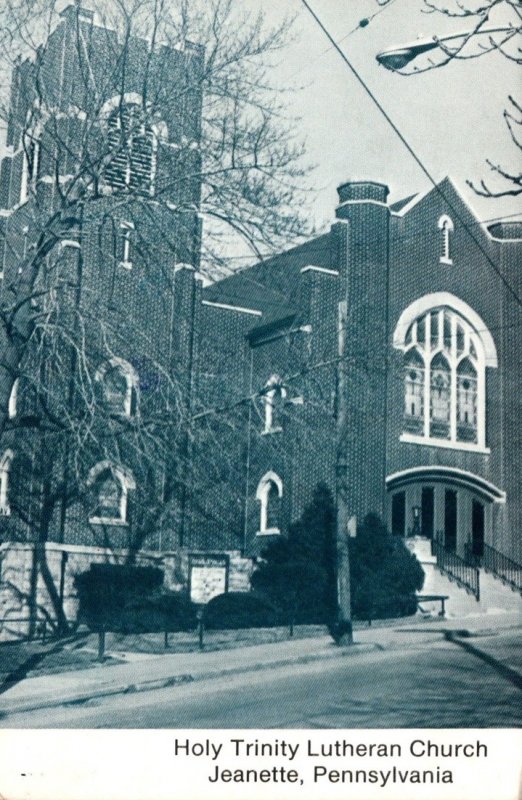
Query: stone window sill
{"x": 446, "y": 443}
{"x": 107, "y": 521}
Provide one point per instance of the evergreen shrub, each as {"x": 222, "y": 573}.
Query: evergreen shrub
{"x": 234, "y": 610}
{"x": 384, "y": 574}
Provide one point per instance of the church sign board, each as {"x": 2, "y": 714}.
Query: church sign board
{"x": 208, "y": 576}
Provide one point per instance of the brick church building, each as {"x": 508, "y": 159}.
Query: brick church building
{"x": 188, "y": 422}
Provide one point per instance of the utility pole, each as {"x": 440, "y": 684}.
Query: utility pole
{"x": 342, "y": 629}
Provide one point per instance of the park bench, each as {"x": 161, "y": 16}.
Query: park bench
{"x": 432, "y": 598}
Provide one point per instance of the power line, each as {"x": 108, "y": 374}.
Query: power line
{"x": 409, "y": 148}
{"x": 361, "y": 25}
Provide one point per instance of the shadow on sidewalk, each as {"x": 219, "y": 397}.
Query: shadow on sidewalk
{"x": 30, "y": 664}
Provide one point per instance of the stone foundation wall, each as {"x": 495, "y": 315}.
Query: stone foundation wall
{"x": 17, "y": 579}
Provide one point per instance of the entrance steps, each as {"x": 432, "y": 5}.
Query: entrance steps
{"x": 495, "y": 597}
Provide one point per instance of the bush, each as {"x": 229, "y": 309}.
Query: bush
{"x": 384, "y": 574}
{"x": 106, "y": 590}
{"x": 234, "y": 610}
{"x": 169, "y": 612}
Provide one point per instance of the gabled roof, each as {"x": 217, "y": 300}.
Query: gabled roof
{"x": 243, "y": 290}
{"x": 400, "y": 204}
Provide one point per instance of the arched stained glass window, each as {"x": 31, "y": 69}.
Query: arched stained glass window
{"x": 444, "y": 378}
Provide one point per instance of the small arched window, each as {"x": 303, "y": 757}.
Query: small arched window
{"x": 13, "y": 400}
{"x": 5, "y": 467}
{"x": 127, "y": 231}
{"x": 119, "y": 387}
{"x": 447, "y": 228}
{"x": 274, "y": 395}
{"x": 269, "y": 493}
{"x": 30, "y": 166}
{"x": 109, "y": 487}
{"x": 132, "y": 146}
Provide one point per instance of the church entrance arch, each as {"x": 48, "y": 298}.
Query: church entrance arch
{"x": 450, "y": 504}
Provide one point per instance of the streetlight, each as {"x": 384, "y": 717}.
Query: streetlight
{"x": 396, "y": 58}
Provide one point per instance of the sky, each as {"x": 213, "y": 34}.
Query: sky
{"x": 452, "y": 117}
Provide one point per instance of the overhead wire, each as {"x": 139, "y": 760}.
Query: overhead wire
{"x": 409, "y": 148}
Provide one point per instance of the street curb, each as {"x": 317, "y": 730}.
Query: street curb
{"x": 175, "y": 680}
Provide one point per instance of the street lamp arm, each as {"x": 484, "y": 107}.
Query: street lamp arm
{"x": 396, "y": 58}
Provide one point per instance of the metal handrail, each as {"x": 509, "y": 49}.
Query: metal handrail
{"x": 502, "y": 567}
{"x": 465, "y": 575}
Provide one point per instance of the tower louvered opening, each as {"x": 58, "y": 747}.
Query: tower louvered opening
{"x": 132, "y": 151}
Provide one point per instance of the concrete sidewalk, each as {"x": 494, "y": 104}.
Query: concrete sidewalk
{"x": 170, "y": 669}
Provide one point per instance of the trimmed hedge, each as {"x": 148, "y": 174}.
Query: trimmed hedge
{"x": 234, "y": 610}
{"x": 167, "y": 612}
{"x": 128, "y": 599}
{"x": 105, "y": 590}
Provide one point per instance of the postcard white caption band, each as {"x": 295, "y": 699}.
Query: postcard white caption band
{"x": 309, "y": 765}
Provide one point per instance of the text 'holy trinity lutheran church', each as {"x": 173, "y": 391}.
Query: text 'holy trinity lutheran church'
{"x": 189, "y": 423}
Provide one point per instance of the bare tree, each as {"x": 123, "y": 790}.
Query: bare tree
{"x": 240, "y": 169}
{"x": 491, "y": 26}
{"x": 142, "y": 134}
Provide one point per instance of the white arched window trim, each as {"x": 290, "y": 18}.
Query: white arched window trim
{"x": 447, "y": 227}
{"x": 13, "y": 400}
{"x": 264, "y": 488}
{"x": 5, "y": 466}
{"x": 273, "y": 388}
{"x": 131, "y": 377}
{"x": 126, "y": 482}
{"x": 436, "y": 299}
{"x": 486, "y": 356}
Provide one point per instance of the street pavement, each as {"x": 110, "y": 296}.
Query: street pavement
{"x": 492, "y": 648}
{"x": 434, "y": 684}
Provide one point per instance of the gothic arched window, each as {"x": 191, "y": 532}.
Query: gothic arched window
{"x": 30, "y": 165}
{"x": 12, "y": 407}
{"x": 445, "y": 357}
{"x": 109, "y": 487}
{"x": 447, "y": 228}
{"x": 132, "y": 145}
{"x": 5, "y": 467}
{"x": 269, "y": 493}
{"x": 274, "y": 395}
{"x": 119, "y": 387}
